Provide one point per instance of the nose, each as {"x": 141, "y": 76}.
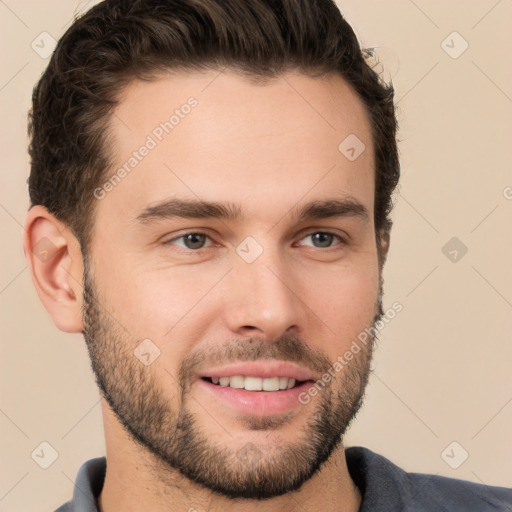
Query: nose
{"x": 260, "y": 299}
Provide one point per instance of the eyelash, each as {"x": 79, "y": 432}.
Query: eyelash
{"x": 342, "y": 241}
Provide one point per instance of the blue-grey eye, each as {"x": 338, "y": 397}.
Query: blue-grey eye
{"x": 194, "y": 240}
{"x": 190, "y": 240}
{"x": 321, "y": 239}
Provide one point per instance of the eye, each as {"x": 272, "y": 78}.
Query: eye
{"x": 192, "y": 241}
{"x": 196, "y": 240}
{"x": 323, "y": 239}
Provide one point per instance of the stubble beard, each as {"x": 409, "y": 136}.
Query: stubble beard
{"x": 175, "y": 439}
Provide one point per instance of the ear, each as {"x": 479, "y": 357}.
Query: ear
{"x": 384, "y": 239}
{"x": 55, "y": 260}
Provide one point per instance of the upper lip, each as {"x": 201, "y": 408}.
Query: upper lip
{"x": 263, "y": 369}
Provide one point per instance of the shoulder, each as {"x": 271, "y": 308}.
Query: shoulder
{"x": 65, "y": 508}
{"x": 455, "y": 494}
{"x": 385, "y": 486}
{"x": 88, "y": 486}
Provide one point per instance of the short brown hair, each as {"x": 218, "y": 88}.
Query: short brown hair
{"x": 119, "y": 40}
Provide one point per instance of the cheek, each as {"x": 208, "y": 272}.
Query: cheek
{"x": 156, "y": 304}
{"x": 344, "y": 299}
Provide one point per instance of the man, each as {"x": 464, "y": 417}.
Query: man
{"x": 212, "y": 182}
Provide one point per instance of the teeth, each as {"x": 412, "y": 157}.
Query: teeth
{"x": 271, "y": 384}
{"x": 237, "y": 381}
{"x": 224, "y": 381}
{"x": 255, "y": 383}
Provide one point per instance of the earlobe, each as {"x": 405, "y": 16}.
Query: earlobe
{"x": 55, "y": 261}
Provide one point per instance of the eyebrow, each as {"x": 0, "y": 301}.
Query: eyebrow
{"x": 198, "y": 209}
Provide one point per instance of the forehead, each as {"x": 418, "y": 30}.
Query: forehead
{"x": 217, "y": 136}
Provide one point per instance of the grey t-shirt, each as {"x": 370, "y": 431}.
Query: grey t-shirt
{"x": 384, "y": 488}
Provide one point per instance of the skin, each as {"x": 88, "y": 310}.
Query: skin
{"x": 146, "y": 284}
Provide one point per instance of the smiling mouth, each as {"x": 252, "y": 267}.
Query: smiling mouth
{"x": 250, "y": 383}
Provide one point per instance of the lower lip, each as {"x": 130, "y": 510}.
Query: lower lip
{"x": 257, "y": 403}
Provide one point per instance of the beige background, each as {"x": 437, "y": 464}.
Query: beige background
{"x": 443, "y": 367}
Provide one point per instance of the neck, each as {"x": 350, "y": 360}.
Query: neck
{"x": 136, "y": 481}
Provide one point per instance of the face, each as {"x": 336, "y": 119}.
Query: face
{"x": 232, "y": 264}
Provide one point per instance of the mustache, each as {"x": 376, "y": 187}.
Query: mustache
{"x": 285, "y": 348}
